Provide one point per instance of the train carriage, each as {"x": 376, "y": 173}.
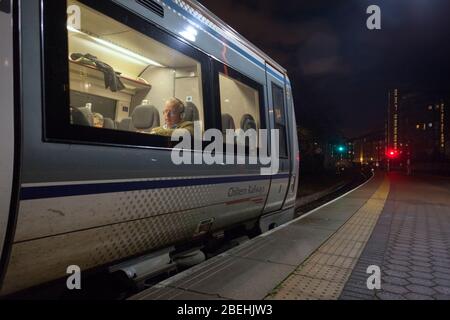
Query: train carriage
{"x": 76, "y": 192}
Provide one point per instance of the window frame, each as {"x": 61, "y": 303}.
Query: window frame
{"x": 285, "y": 124}
{"x": 219, "y": 67}
{"x": 55, "y": 77}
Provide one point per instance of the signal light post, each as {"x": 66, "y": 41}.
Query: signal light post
{"x": 341, "y": 149}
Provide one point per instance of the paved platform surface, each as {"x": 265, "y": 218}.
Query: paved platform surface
{"x": 324, "y": 274}
{"x": 398, "y": 223}
{"x": 410, "y": 243}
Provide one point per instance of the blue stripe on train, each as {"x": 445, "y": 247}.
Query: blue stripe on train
{"x": 30, "y": 193}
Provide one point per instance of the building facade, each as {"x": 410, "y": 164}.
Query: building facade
{"x": 417, "y": 125}
{"x": 369, "y": 148}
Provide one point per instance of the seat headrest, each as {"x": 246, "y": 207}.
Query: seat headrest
{"x": 125, "y": 125}
{"x": 227, "y": 122}
{"x": 78, "y": 117}
{"x": 248, "y": 122}
{"x": 108, "y": 123}
{"x": 145, "y": 117}
{"x": 88, "y": 114}
{"x": 190, "y": 112}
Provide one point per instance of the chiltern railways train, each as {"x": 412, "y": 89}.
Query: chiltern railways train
{"x": 83, "y": 183}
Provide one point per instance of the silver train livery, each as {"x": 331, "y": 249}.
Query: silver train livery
{"x": 83, "y": 83}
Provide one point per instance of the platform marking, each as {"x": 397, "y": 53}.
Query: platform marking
{"x": 324, "y": 274}
{"x": 304, "y": 216}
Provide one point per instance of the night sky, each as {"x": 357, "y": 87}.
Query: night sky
{"x": 337, "y": 66}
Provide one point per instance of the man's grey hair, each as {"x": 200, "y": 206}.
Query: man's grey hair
{"x": 97, "y": 115}
{"x": 179, "y": 105}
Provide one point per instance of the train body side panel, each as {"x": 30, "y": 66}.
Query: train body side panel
{"x": 93, "y": 230}
{"x": 7, "y": 138}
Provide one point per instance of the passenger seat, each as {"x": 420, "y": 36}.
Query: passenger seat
{"x": 88, "y": 115}
{"x": 248, "y": 122}
{"x": 227, "y": 123}
{"x": 145, "y": 118}
{"x": 126, "y": 125}
{"x": 190, "y": 112}
{"x": 78, "y": 118}
{"x": 108, "y": 123}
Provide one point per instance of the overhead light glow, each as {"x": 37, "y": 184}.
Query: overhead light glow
{"x": 127, "y": 53}
{"x": 72, "y": 29}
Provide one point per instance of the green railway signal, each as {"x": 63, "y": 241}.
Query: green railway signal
{"x": 341, "y": 148}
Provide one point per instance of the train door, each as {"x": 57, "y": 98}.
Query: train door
{"x": 291, "y": 195}
{"x": 6, "y": 116}
{"x": 278, "y": 120}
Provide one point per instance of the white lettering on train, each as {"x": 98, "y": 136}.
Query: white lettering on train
{"x": 237, "y": 150}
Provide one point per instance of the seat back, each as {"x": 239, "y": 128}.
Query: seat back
{"x": 227, "y": 122}
{"x": 125, "y": 125}
{"x": 108, "y": 123}
{"x": 190, "y": 112}
{"x": 248, "y": 122}
{"x": 88, "y": 115}
{"x": 145, "y": 117}
{"x": 79, "y": 118}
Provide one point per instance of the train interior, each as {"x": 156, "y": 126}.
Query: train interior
{"x": 121, "y": 79}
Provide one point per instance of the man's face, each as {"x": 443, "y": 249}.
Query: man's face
{"x": 172, "y": 115}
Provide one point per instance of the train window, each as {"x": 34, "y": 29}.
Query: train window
{"x": 239, "y": 104}
{"x": 126, "y": 81}
{"x": 280, "y": 119}
{"x": 110, "y": 60}
{"x": 241, "y": 100}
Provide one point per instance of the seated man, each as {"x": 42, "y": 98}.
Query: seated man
{"x": 173, "y": 118}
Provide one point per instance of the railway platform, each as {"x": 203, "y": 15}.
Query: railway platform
{"x": 393, "y": 224}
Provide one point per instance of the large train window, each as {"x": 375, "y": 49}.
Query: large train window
{"x": 240, "y": 98}
{"x": 280, "y": 118}
{"x": 127, "y": 82}
{"x": 239, "y": 103}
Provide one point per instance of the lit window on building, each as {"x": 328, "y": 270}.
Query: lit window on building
{"x": 430, "y": 107}
{"x": 430, "y": 125}
{"x": 418, "y": 126}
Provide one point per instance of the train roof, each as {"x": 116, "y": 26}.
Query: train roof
{"x": 232, "y": 34}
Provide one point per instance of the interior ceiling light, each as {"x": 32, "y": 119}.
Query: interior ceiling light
{"x": 125, "y": 52}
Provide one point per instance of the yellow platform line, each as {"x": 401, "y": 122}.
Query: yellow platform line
{"x": 324, "y": 274}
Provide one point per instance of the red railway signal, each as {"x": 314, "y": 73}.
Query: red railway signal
{"x": 392, "y": 153}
